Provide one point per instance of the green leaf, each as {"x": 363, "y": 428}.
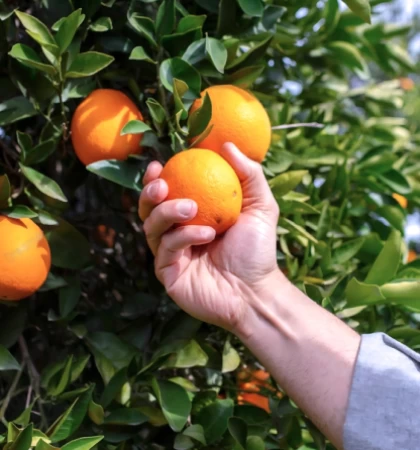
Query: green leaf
{"x": 23, "y": 440}
{"x": 25, "y": 141}
{"x": 165, "y": 18}
{"x": 61, "y": 385}
{"x": 332, "y": 15}
{"x": 347, "y": 251}
{"x": 271, "y": 15}
{"x": 176, "y": 43}
{"x": 145, "y": 26}
{"x": 402, "y": 293}
{"x": 5, "y": 191}
{"x": 15, "y": 109}
{"x": 40, "y": 152}
{"x": 386, "y": 264}
{"x": 174, "y": 401}
{"x": 85, "y": 443}
{"x": 361, "y": 8}
{"x": 7, "y": 361}
{"x": 252, "y": 56}
{"x": 124, "y": 173}
{"x": 395, "y": 181}
{"x": 347, "y": 54}
{"x": 231, "y": 358}
{"x": 195, "y": 432}
{"x": 135, "y": 127}
{"x": 254, "y": 8}
{"x": 36, "y": 29}
{"x": 101, "y": 25}
{"x": 238, "y": 429}
{"x": 200, "y": 119}
{"x": 358, "y": 293}
{"x": 19, "y": 212}
{"x": 44, "y": 184}
{"x": 256, "y": 443}
{"x": 139, "y": 54}
{"x": 245, "y": 77}
{"x": 181, "y": 70}
{"x": 96, "y": 413}
{"x": 71, "y": 419}
{"x": 69, "y": 248}
{"x": 214, "y": 419}
{"x": 183, "y": 442}
{"x": 68, "y": 28}
{"x": 28, "y": 57}
{"x": 190, "y": 23}
{"x": 189, "y": 355}
{"x": 69, "y": 296}
{"x": 217, "y": 53}
{"x": 126, "y": 416}
{"x": 88, "y": 64}
{"x": 157, "y": 113}
{"x": 286, "y": 182}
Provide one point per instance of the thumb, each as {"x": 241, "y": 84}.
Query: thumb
{"x": 255, "y": 188}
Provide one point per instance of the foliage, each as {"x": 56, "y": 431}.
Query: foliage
{"x": 101, "y": 356}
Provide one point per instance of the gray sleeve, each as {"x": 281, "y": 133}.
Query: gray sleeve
{"x": 384, "y": 404}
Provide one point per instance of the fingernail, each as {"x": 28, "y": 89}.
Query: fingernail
{"x": 185, "y": 208}
{"x": 153, "y": 190}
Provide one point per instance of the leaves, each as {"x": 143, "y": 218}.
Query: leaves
{"x": 217, "y": 53}
{"x": 139, "y": 54}
{"x": 214, "y": 419}
{"x": 177, "y": 68}
{"x": 68, "y": 28}
{"x": 88, "y": 64}
{"x": 27, "y": 56}
{"x": 135, "y": 127}
{"x": 199, "y": 120}
{"x": 44, "y": 184}
{"x": 174, "y": 401}
{"x": 82, "y": 443}
{"x": 124, "y": 173}
{"x": 361, "y": 8}
{"x": 285, "y": 182}
{"x": 252, "y": 7}
{"x": 7, "y": 361}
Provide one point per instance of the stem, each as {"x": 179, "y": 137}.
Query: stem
{"x": 11, "y": 392}
{"x": 35, "y": 379}
{"x": 298, "y": 125}
{"x": 63, "y": 112}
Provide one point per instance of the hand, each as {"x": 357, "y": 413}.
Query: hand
{"x": 213, "y": 278}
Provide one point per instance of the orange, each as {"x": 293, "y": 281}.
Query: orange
{"x": 412, "y": 256}
{"x": 205, "y": 177}
{"x": 250, "y": 383}
{"x": 407, "y": 84}
{"x": 238, "y": 117}
{"x": 25, "y": 258}
{"x": 97, "y": 123}
{"x": 401, "y": 200}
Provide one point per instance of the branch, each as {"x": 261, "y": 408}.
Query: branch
{"x": 11, "y": 392}
{"x": 298, "y": 125}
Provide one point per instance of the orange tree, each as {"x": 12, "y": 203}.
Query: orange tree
{"x": 99, "y": 355}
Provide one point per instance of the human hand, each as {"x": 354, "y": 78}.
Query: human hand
{"x": 213, "y": 278}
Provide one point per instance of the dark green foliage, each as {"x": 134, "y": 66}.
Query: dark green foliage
{"x": 101, "y": 356}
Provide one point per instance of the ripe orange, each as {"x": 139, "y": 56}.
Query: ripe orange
{"x": 205, "y": 177}
{"x": 97, "y": 123}
{"x": 238, "y": 117}
{"x": 401, "y": 200}
{"x": 250, "y": 383}
{"x": 25, "y": 258}
{"x": 412, "y": 256}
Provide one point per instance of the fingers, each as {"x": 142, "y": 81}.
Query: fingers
{"x": 152, "y": 195}
{"x": 153, "y": 171}
{"x": 255, "y": 188}
{"x": 173, "y": 246}
{"x": 164, "y": 216}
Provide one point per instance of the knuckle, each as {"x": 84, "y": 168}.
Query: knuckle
{"x": 147, "y": 227}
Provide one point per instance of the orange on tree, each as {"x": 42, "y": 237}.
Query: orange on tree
{"x": 97, "y": 123}
{"x": 412, "y": 256}
{"x": 238, "y": 117}
{"x": 205, "y": 177}
{"x": 250, "y": 383}
{"x": 25, "y": 258}
{"x": 403, "y": 202}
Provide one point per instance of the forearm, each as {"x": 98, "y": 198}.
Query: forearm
{"x": 308, "y": 351}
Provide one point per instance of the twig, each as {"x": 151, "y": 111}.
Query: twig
{"x": 35, "y": 379}
{"x": 298, "y": 125}
{"x": 11, "y": 392}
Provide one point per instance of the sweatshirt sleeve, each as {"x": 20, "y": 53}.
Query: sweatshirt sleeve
{"x": 384, "y": 404}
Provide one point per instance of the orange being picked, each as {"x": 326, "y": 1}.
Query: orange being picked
{"x": 25, "y": 258}
{"x": 97, "y": 123}
{"x": 238, "y": 117}
{"x": 250, "y": 383}
{"x": 205, "y": 177}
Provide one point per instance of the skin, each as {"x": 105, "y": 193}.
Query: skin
{"x": 234, "y": 282}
